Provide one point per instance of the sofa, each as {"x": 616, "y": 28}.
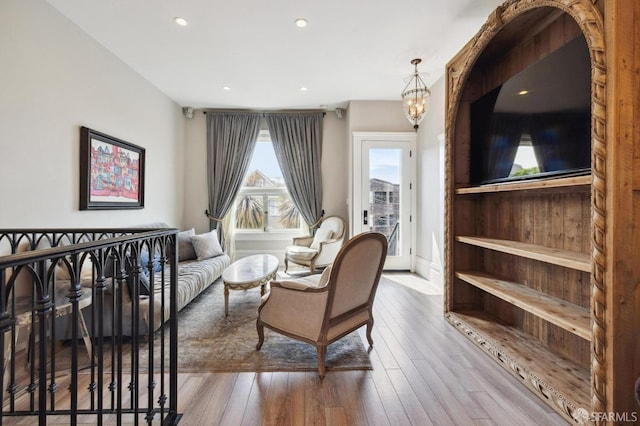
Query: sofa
{"x": 201, "y": 262}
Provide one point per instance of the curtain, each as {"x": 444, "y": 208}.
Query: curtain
{"x": 556, "y": 140}
{"x": 297, "y": 142}
{"x": 506, "y": 130}
{"x": 231, "y": 138}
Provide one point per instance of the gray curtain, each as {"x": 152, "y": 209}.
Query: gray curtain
{"x": 297, "y": 142}
{"x": 231, "y": 138}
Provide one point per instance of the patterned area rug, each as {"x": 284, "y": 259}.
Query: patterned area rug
{"x": 209, "y": 342}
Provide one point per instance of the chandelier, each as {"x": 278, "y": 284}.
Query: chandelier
{"x": 415, "y": 97}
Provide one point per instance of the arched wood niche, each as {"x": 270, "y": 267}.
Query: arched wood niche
{"x": 525, "y": 262}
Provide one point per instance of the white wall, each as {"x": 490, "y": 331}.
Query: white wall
{"x": 54, "y": 79}
{"x": 430, "y": 209}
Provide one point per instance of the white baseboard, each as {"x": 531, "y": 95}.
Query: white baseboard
{"x": 422, "y": 267}
{"x": 430, "y": 271}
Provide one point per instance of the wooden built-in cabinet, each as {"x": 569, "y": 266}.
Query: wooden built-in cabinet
{"x": 538, "y": 272}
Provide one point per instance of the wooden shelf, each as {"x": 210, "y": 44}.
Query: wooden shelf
{"x": 568, "y": 316}
{"x": 566, "y": 258}
{"x": 541, "y": 369}
{"x": 566, "y": 182}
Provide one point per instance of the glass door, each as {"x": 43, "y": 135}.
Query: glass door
{"x": 384, "y": 195}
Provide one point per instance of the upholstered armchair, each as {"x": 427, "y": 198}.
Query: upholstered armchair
{"x": 320, "y": 309}
{"x": 320, "y": 249}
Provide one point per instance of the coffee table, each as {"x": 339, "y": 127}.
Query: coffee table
{"x": 249, "y": 272}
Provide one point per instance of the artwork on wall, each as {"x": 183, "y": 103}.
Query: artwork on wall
{"x": 111, "y": 172}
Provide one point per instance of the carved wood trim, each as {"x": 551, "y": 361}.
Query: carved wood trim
{"x": 590, "y": 21}
{"x": 537, "y": 384}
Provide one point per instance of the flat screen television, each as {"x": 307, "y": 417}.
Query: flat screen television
{"x": 538, "y": 123}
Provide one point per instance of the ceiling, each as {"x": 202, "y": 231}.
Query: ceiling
{"x": 350, "y": 49}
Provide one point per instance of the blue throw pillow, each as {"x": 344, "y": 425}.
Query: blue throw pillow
{"x": 144, "y": 261}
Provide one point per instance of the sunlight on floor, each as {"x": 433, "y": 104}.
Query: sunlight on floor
{"x": 414, "y": 281}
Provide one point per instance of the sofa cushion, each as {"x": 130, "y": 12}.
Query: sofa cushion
{"x": 206, "y": 245}
{"x": 185, "y": 248}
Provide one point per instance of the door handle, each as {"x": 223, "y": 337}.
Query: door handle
{"x": 365, "y": 218}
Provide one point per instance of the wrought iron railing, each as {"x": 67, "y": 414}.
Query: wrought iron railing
{"x": 65, "y": 296}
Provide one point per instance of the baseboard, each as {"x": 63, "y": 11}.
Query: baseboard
{"x": 422, "y": 267}
{"x": 430, "y": 271}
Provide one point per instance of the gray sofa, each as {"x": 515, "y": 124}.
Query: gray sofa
{"x": 194, "y": 276}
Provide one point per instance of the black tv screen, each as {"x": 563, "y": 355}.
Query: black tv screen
{"x": 538, "y": 123}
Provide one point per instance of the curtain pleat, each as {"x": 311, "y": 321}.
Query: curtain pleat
{"x": 297, "y": 142}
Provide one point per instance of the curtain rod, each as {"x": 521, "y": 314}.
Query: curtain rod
{"x": 264, "y": 113}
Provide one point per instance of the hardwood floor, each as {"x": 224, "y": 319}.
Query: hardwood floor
{"x": 424, "y": 373}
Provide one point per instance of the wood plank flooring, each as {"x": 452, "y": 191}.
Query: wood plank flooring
{"x": 424, "y": 373}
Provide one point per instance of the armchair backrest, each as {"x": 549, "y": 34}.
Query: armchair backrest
{"x": 355, "y": 275}
{"x": 335, "y": 225}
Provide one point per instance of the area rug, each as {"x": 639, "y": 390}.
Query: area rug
{"x": 209, "y": 342}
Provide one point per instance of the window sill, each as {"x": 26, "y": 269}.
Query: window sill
{"x": 266, "y": 236}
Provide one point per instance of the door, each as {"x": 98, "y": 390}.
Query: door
{"x": 384, "y": 169}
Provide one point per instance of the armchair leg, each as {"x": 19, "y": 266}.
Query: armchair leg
{"x": 369, "y": 328}
{"x": 260, "y": 328}
{"x": 322, "y": 352}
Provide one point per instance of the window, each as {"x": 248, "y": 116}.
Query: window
{"x": 525, "y": 162}
{"x": 263, "y": 203}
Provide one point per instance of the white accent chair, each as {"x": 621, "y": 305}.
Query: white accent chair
{"x": 320, "y": 309}
{"x": 319, "y": 250}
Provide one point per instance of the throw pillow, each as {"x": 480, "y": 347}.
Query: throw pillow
{"x": 144, "y": 261}
{"x": 145, "y": 285}
{"x": 321, "y": 236}
{"x": 206, "y": 245}
{"x": 185, "y": 248}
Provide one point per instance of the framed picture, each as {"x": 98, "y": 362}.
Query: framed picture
{"x": 111, "y": 172}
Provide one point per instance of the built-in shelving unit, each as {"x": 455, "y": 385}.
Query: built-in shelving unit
{"x": 519, "y": 255}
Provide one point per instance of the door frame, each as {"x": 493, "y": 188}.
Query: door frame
{"x": 356, "y": 172}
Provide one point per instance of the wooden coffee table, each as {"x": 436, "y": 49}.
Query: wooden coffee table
{"x": 249, "y": 272}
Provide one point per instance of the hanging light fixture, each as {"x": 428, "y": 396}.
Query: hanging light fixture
{"x": 415, "y": 97}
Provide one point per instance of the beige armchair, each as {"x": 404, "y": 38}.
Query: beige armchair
{"x": 319, "y": 250}
{"x": 321, "y": 309}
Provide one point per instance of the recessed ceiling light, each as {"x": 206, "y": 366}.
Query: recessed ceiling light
{"x": 523, "y": 92}
{"x": 181, "y": 21}
{"x": 301, "y": 22}
{"x": 226, "y": 88}
{"x": 303, "y": 89}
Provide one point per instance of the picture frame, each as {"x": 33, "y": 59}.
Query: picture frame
{"x": 111, "y": 172}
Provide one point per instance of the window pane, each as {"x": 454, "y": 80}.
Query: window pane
{"x": 283, "y": 214}
{"x": 264, "y": 170}
{"x": 249, "y": 213}
{"x": 385, "y": 172}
